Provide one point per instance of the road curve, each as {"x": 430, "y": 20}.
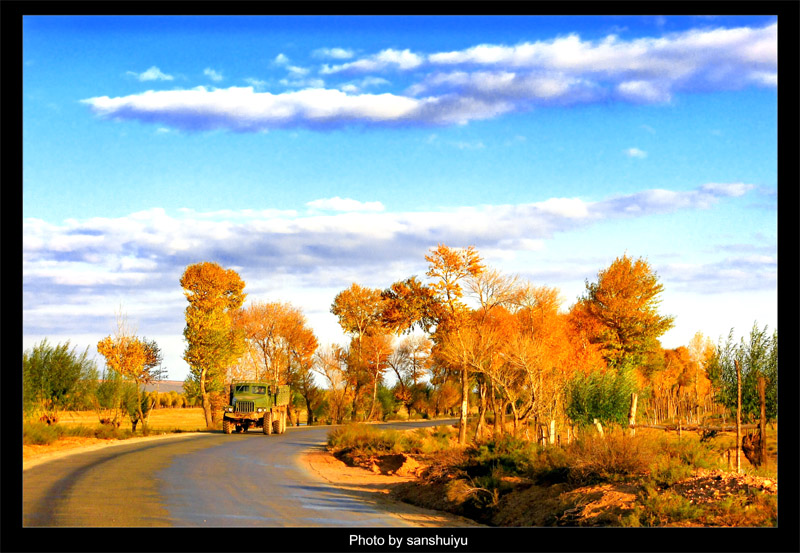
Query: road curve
{"x": 210, "y": 480}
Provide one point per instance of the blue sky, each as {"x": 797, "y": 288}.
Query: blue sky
{"x": 309, "y": 153}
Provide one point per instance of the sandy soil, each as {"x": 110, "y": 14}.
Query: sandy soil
{"x": 376, "y": 487}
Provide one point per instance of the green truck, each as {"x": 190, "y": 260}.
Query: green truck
{"x": 257, "y": 404}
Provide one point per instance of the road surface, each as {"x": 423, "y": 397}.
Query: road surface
{"x": 209, "y": 480}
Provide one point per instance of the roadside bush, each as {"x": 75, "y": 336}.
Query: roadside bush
{"x": 363, "y": 438}
{"x": 593, "y": 458}
{"x": 514, "y": 456}
{"x": 38, "y": 433}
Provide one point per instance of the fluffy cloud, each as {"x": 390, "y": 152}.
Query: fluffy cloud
{"x": 454, "y": 88}
{"x": 243, "y": 109}
{"x": 142, "y": 247}
{"x": 389, "y": 58}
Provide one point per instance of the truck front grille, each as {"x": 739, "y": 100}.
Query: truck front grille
{"x": 245, "y": 406}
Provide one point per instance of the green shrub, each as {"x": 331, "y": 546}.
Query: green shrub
{"x": 513, "y": 455}
{"x": 662, "y": 508}
{"x": 604, "y": 396}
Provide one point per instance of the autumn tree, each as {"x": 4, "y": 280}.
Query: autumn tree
{"x": 283, "y": 343}
{"x": 133, "y": 359}
{"x": 623, "y": 307}
{"x": 701, "y": 350}
{"x": 448, "y": 267}
{"x": 330, "y": 362}
{"x": 214, "y": 295}
{"x": 410, "y": 304}
{"x": 360, "y": 314}
{"x": 410, "y": 361}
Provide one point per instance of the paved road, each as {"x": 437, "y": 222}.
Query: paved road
{"x": 199, "y": 480}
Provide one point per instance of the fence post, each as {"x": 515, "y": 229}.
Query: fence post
{"x": 738, "y": 416}
{"x": 762, "y": 425}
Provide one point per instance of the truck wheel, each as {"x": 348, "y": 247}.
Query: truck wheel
{"x": 283, "y": 422}
{"x": 276, "y": 425}
{"x": 267, "y": 423}
{"x": 226, "y": 426}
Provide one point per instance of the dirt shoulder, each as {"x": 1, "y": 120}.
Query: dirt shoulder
{"x": 377, "y": 488}
{"x": 34, "y": 455}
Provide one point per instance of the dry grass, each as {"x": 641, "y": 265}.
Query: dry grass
{"x": 188, "y": 419}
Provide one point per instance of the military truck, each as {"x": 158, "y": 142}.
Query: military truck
{"x": 256, "y": 404}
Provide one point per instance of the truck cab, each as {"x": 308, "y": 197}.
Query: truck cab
{"x": 260, "y": 404}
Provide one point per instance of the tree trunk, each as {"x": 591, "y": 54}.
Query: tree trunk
{"x": 374, "y": 398}
{"x": 139, "y": 409}
{"x": 738, "y": 416}
{"x": 462, "y": 423}
{"x": 632, "y": 414}
{"x": 481, "y": 408}
{"x": 206, "y": 401}
{"x": 310, "y": 416}
{"x": 552, "y": 436}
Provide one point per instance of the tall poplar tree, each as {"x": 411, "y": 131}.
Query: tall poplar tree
{"x": 623, "y": 308}
{"x": 213, "y": 342}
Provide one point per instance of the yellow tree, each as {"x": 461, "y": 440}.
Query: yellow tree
{"x": 448, "y": 267}
{"x": 330, "y": 362}
{"x": 214, "y": 294}
{"x": 377, "y": 349}
{"x": 624, "y": 306}
{"x": 701, "y": 350}
{"x": 360, "y": 313}
{"x": 131, "y": 358}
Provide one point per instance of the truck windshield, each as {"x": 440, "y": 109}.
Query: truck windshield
{"x": 242, "y": 389}
{"x": 259, "y": 389}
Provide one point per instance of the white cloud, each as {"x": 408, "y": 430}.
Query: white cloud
{"x": 345, "y": 204}
{"x": 727, "y": 189}
{"x": 396, "y": 59}
{"x": 481, "y": 82}
{"x": 243, "y": 109}
{"x": 635, "y": 152}
{"x": 152, "y": 74}
{"x": 333, "y": 53}
{"x": 213, "y": 75}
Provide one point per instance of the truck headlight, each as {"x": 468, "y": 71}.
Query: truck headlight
{"x": 229, "y": 408}
{"x": 259, "y": 410}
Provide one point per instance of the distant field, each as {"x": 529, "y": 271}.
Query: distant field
{"x": 188, "y": 420}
